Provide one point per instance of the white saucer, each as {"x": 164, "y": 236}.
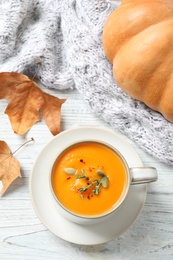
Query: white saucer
{"x": 42, "y": 198}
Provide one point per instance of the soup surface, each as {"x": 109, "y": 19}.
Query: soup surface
{"x": 77, "y": 178}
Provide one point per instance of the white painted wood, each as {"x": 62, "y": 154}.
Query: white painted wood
{"x": 23, "y": 236}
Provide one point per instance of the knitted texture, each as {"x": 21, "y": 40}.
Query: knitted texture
{"x": 60, "y": 41}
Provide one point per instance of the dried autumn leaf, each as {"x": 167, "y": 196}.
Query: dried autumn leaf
{"x": 26, "y": 101}
{"x": 9, "y": 167}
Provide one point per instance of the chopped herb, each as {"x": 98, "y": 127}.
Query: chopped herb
{"x": 104, "y": 181}
{"x": 88, "y": 186}
{"x": 83, "y": 188}
{"x": 96, "y": 190}
{"x": 82, "y": 176}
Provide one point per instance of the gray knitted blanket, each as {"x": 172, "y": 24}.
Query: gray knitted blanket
{"x": 60, "y": 41}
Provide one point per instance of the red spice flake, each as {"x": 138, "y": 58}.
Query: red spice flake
{"x": 90, "y": 169}
{"x": 88, "y": 197}
{"x": 68, "y": 178}
{"x": 100, "y": 166}
{"x": 82, "y": 161}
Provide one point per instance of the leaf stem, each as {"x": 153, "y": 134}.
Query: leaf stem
{"x": 31, "y": 140}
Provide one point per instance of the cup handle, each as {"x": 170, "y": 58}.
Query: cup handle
{"x": 141, "y": 175}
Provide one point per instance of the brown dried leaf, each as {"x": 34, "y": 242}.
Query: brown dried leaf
{"x": 51, "y": 110}
{"x": 25, "y": 102}
{"x": 9, "y": 167}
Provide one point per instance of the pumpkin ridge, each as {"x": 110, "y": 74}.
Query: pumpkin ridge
{"x": 117, "y": 32}
{"x": 140, "y": 89}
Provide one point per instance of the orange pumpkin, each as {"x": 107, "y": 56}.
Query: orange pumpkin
{"x": 138, "y": 41}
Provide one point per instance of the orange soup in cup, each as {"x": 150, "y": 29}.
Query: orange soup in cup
{"x": 89, "y": 178}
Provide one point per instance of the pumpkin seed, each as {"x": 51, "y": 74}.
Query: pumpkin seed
{"x": 100, "y": 173}
{"x": 82, "y": 196}
{"x": 70, "y": 171}
{"x": 104, "y": 181}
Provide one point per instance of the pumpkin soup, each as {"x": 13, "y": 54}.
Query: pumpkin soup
{"x": 88, "y": 178}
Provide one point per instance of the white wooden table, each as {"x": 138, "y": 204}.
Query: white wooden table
{"x": 23, "y": 236}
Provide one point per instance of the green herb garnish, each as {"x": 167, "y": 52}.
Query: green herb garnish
{"x": 104, "y": 180}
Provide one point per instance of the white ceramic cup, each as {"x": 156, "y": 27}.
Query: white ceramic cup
{"x": 134, "y": 176}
